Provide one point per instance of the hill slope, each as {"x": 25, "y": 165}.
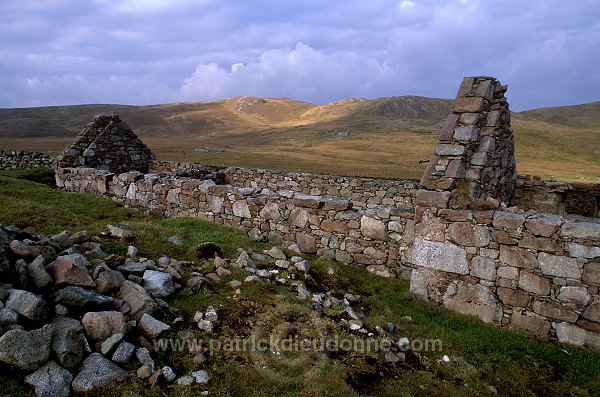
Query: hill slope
{"x": 385, "y": 137}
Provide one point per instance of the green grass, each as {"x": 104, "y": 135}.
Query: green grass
{"x": 482, "y": 356}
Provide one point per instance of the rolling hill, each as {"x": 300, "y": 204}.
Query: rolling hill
{"x": 385, "y": 137}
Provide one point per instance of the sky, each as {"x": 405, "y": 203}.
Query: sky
{"x": 139, "y": 52}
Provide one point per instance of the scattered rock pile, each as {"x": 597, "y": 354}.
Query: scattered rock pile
{"x": 72, "y": 314}
{"x": 75, "y": 316}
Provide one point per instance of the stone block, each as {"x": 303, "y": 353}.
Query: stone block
{"x": 442, "y": 149}
{"x": 487, "y": 145}
{"x": 554, "y": 311}
{"x": 299, "y": 217}
{"x": 543, "y": 225}
{"x": 270, "y": 211}
{"x": 455, "y": 215}
{"x": 448, "y": 127}
{"x": 447, "y": 257}
{"x": 473, "y": 299}
{"x": 559, "y": 266}
{"x": 466, "y": 87}
{"x": 501, "y": 237}
{"x": 540, "y": 244}
{"x": 429, "y": 198}
{"x": 575, "y": 295}
{"x": 466, "y": 234}
{"x": 513, "y": 297}
{"x": 592, "y": 313}
{"x": 240, "y": 208}
{"x": 307, "y": 243}
{"x": 532, "y": 323}
{"x": 591, "y": 273}
{"x": 582, "y": 251}
{"x": 468, "y": 105}
{"x": 466, "y": 133}
{"x": 330, "y": 226}
{"x": 508, "y": 220}
{"x": 581, "y": 230}
{"x": 485, "y": 89}
{"x": 508, "y": 272}
{"x": 307, "y": 201}
{"x": 518, "y": 257}
{"x": 569, "y": 333}
{"x": 484, "y": 268}
{"x": 479, "y": 158}
{"x": 455, "y": 169}
{"x": 373, "y": 228}
{"x": 533, "y": 283}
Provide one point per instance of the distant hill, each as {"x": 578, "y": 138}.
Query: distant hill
{"x": 385, "y": 137}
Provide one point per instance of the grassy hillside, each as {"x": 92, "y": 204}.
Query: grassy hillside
{"x": 386, "y": 137}
{"x": 483, "y": 360}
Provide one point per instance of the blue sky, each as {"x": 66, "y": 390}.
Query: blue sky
{"x": 63, "y": 52}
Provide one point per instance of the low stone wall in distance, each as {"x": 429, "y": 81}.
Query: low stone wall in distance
{"x": 376, "y": 236}
{"x": 14, "y": 159}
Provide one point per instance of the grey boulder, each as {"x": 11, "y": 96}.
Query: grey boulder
{"x": 51, "y": 380}
{"x": 26, "y": 350}
{"x": 97, "y": 371}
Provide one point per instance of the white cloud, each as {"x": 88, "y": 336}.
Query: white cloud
{"x": 301, "y": 73}
{"x": 407, "y": 4}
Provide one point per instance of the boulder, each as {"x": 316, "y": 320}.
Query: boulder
{"x": 111, "y": 343}
{"x": 152, "y": 327}
{"x": 71, "y": 270}
{"x": 138, "y": 299}
{"x": 123, "y": 353}
{"x": 8, "y": 317}
{"x": 38, "y": 274}
{"x": 102, "y": 325}
{"x": 97, "y": 371}
{"x": 159, "y": 284}
{"x": 21, "y": 249}
{"x": 26, "y": 350}
{"x": 51, "y": 380}
{"x": 82, "y": 299}
{"x": 66, "y": 343}
{"x": 109, "y": 281}
{"x": 119, "y": 230}
{"x": 27, "y": 305}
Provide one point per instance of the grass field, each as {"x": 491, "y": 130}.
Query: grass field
{"x": 388, "y": 137}
{"x": 484, "y": 360}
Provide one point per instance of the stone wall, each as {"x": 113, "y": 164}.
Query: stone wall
{"x": 509, "y": 266}
{"x": 378, "y": 237}
{"x": 457, "y": 235}
{"x": 12, "y": 159}
{"x": 560, "y": 198}
{"x": 107, "y": 142}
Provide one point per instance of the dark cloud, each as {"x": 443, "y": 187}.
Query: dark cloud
{"x": 155, "y": 51}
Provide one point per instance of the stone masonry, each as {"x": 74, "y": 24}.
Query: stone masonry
{"x": 509, "y": 266}
{"x": 107, "y": 143}
{"x": 457, "y": 236}
{"x": 13, "y": 159}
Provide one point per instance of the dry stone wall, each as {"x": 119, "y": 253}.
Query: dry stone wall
{"x": 377, "y": 237}
{"x": 457, "y": 235}
{"x": 509, "y": 266}
{"x": 13, "y": 159}
{"x": 107, "y": 142}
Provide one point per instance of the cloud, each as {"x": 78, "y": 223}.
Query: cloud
{"x": 311, "y": 50}
{"x": 300, "y": 72}
{"x": 76, "y": 88}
